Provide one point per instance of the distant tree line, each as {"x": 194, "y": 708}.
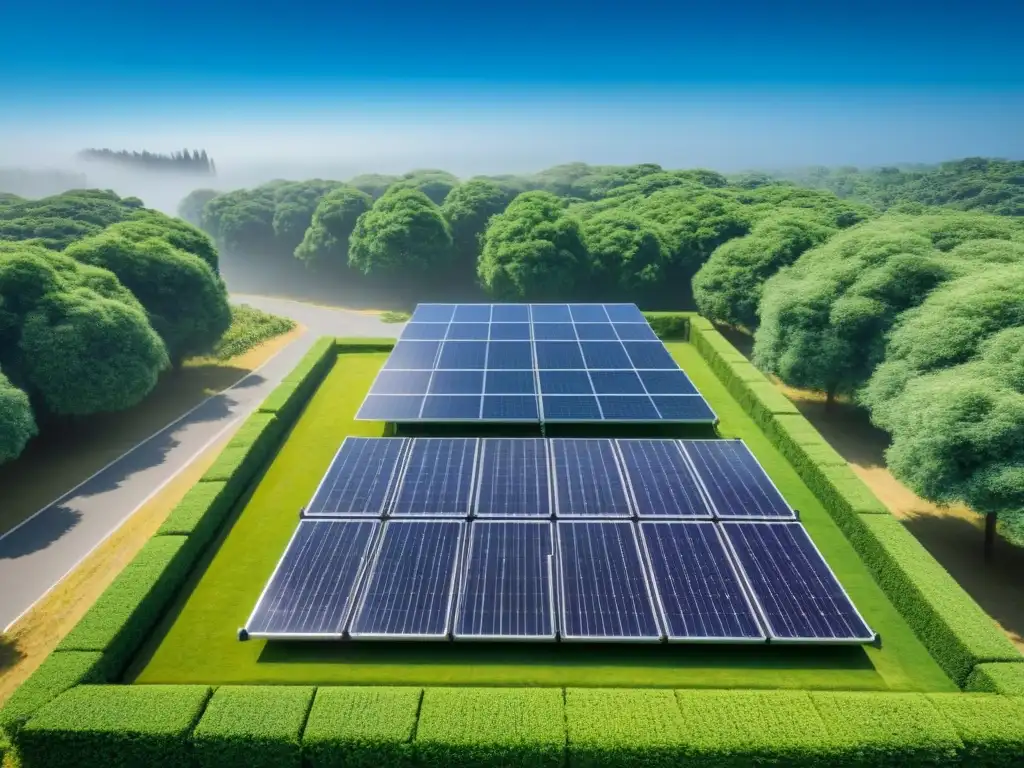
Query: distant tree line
{"x": 195, "y": 162}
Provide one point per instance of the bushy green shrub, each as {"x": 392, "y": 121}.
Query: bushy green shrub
{"x": 253, "y": 726}
{"x": 998, "y": 677}
{"x": 623, "y": 727}
{"x": 121, "y": 618}
{"x": 669, "y": 326}
{"x": 250, "y": 328}
{"x": 200, "y": 513}
{"x": 361, "y": 727}
{"x": 957, "y": 632}
{"x": 990, "y": 727}
{"x": 892, "y": 729}
{"x": 60, "y": 671}
{"x": 114, "y": 726}
{"x": 736, "y": 729}
{"x": 491, "y": 728}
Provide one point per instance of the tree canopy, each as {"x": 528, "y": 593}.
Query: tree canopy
{"x": 325, "y": 243}
{"x": 467, "y": 209}
{"x": 17, "y": 424}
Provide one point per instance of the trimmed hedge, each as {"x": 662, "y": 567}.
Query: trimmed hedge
{"x": 114, "y": 726}
{"x": 60, "y": 671}
{"x": 361, "y": 727}
{"x": 290, "y": 396}
{"x": 990, "y": 727}
{"x": 258, "y": 434}
{"x": 491, "y": 728}
{"x": 891, "y": 729}
{"x": 998, "y": 678}
{"x": 736, "y": 729}
{"x": 253, "y": 726}
{"x": 119, "y": 621}
{"x": 954, "y": 628}
{"x": 669, "y": 326}
{"x": 200, "y": 513}
{"x": 623, "y": 727}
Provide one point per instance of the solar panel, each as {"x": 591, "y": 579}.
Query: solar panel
{"x": 312, "y": 588}
{"x": 584, "y": 363}
{"x": 734, "y": 481}
{"x": 514, "y": 478}
{"x": 359, "y": 479}
{"x": 603, "y": 587}
{"x": 587, "y": 479}
{"x": 411, "y": 585}
{"x": 438, "y": 478}
{"x": 697, "y": 588}
{"x": 661, "y": 481}
{"x": 793, "y": 587}
{"x": 508, "y": 592}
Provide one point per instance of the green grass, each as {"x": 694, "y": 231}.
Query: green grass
{"x": 198, "y": 643}
{"x": 249, "y": 328}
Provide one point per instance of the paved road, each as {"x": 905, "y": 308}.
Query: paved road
{"x": 35, "y": 556}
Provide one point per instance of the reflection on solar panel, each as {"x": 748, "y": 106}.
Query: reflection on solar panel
{"x": 698, "y": 589}
{"x": 508, "y": 591}
{"x": 587, "y": 479}
{"x": 359, "y": 479}
{"x": 795, "y": 590}
{"x": 312, "y": 588}
{"x": 660, "y": 479}
{"x": 438, "y": 478}
{"x": 514, "y": 478}
{"x": 735, "y": 482}
{"x": 576, "y": 363}
{"x": 410, "y": 586}
{"x": 603, "y": 584}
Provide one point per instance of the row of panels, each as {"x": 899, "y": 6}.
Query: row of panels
{"x": 527, "y": 313}
{"x": 415, "y": 331}
{"x": 527, "y": 580}
{"x": 546, "y": 478}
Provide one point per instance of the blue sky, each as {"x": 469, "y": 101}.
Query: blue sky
{"x": 776, "y": 82}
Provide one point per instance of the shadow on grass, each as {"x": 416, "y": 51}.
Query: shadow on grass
{"x": 655, "y": 655}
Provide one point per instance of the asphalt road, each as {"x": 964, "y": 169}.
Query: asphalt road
{"x": 36, "y": 555}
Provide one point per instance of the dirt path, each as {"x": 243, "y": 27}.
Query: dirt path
{"x": 953, "y": 535}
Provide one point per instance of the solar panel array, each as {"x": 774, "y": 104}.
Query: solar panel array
{"x": 571, "y": 539}
{"x": 532, "y": 363}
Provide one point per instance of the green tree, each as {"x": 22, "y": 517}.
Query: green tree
{"x": 185, "y": 301}
{"x": 468, "y": 208}
{"x": 147, "y": 224}
{"x": 628, "y": 254}
{"x": 191, "y": 207}
{"x": 17, "y": 424}
{"x": 326, "y": 241}
{"x": 373, "y": 184}
{"x": 403, "y": 235}
{"x": 294, "y": 205}
{"x": 433, "y": 183}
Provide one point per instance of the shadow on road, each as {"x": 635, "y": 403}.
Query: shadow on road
{"x": 40, "y": 532}
{"x": 10, "y": 654}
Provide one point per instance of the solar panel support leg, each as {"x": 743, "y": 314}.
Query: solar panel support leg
{"x": 243, "y": 635}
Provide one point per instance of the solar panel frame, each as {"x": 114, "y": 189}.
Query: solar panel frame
{"x": 744, "y": 589}
{"x": 391, "y": 484}
{"x": 547, "y": 484}
{"x": 719, "y": 515}
{"x": 368, "y": 552}
{"x": 391, "y": 509}
{"x": 564, "y": 635}
{"x": 620, "y": 447}
{"x": 554, "y": 443}
{"x": 464, "y": 584}
{"x": 372, "y": 570}
{"x": 773, "y": 637}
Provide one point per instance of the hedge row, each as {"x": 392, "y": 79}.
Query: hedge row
{"x": 669, "y": 326}
{"x": 101, "y": 645}
{"x": 998, "y": 678}
{"x": 112, "y": 726}
{"x": 294, "y": 391}
{"x": 956, "y": 631}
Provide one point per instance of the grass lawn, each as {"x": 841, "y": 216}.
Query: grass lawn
{"x": 198, "y": 644}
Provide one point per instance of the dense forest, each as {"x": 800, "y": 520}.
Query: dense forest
{"x": 98, "y": 297}
{"x": 906, "y": 297}
{"x": 195, "y": 162}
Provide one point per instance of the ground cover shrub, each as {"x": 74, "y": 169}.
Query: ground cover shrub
{"x": 121, "y": 618}
{"x": 249, "y": 328}
{"x": 669, "y": 326}
{"x": 990, "y": 727}
{"x": 998, "y": 677}
{"x": 60, "y": 671}
{"x": 491, "y": 728}
{"x": 251, "y": 725}
{"x": 361, "y": 727}
{"x": 623, "y": 728}
{"x": 736, "y": 729}
{"x": 199, "y": 514}
{"x": 954, "y": 628}
{"x": 886, "y": 729}
{"x": 114, "y": 726}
